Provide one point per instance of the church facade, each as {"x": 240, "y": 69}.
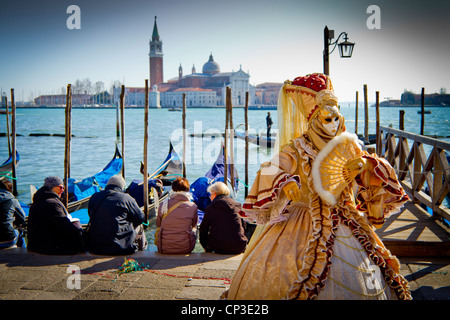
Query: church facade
{"x": 202, "y": 89}
{"x": 207, "y": 88}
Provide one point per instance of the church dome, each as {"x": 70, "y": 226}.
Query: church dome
{"x": 211, "y": 67}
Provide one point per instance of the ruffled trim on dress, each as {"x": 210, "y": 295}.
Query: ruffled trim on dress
{"x": 389, "y": 195}
{"x": 316, "y": 265}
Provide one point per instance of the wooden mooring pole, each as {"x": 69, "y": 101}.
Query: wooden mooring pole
{"x": 401, "y": 124}
{"x": 8, "y": 126}
{"x": 366, "y": 116}
{"x": 184, "y": 135}
{"x": 227, "y": 121}
{"x": 356, "y": 114}
{"x": 422, "y": 121}
{"x": 377, "y": 124}
{"x": 145, "y": 173}
{"x": 246, "y": 143}
{"x": 231, "y": 137}
{"x": 122, "y": 127}
{"x": 68, "y": 136}
{"x": 13, "y": 143}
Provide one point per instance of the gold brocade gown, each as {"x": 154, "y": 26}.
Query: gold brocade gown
{"x": 309, "y": 250}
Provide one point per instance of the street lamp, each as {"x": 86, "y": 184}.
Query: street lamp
{"x": 345, "y": 47}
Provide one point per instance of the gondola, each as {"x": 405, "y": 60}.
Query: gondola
{"x": 6, "y": 167}
{"x": 81, "y": 191}
{"x": 214, "y": 174}
{"x": 159, "y": 182}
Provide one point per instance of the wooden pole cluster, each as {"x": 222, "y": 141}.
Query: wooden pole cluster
{"x": 122, "y": 127}
{"x": 13, "y": 142}
{"x": 68, "y": 138}
{"x": 145, "y": 153}
{"x": 184, "y": 135}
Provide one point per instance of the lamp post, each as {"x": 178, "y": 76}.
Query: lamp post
{"x": 345, "y": 47}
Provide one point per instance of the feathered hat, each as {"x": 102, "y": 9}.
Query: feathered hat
{"x": 309, "y": 94}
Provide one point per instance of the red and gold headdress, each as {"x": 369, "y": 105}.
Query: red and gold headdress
{"x": 308, "y": 94}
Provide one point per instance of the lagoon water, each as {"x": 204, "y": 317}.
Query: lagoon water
{"x": 94, "y": 131}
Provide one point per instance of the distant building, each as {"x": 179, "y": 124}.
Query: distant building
{"x": 210, "y": 80}
{"x": 410, "y": 99}
{"x": 267, "y": 93}
{"x": 135, "y": 97}
{"x": 55, "y": 100}
{"x": 197, "y": 97}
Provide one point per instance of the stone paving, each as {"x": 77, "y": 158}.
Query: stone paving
{"x": 197, "y": 276}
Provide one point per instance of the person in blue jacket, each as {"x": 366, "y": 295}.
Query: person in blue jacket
{"x": 115, "y": 226}
{"x": 11, "y": 213}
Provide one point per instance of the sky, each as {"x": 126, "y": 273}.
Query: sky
{"x": 272, "y": 40}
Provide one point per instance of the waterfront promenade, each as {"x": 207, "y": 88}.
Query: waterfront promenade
{"x": 203, "y": 276}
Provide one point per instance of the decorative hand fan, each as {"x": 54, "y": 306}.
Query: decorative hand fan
{"x": 330, "y": 175}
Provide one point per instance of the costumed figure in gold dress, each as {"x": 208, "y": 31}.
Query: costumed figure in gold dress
{"x": 315, "y": 239}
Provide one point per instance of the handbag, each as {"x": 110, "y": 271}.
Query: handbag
{"x": 162, "y": 218}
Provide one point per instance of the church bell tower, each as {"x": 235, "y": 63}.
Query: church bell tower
{"x": 156, "y": 58}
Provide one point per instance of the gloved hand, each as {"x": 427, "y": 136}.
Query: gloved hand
{"x": 292, "y": 191}
{"x": 358, "y": 164}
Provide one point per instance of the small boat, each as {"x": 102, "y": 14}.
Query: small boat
{"x": 174, "y": 109}
{"x": 372, "y": 138}
{"x": 263, "y": 141}
{"x": 6, "y": 167}
{"x": 425, "y": 112}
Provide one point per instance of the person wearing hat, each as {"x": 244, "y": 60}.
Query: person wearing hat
{"x": 49, "y": 226}
{"x": 115, "y": 221}
{"x": 311, "y": 245}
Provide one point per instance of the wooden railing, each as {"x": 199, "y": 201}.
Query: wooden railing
{"x": 414, "y": 166}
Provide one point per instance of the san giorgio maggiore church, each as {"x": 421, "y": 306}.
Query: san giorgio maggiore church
{"x": 205, "y": 89}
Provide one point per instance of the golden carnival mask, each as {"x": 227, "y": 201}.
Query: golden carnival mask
{"x": 329, "y": 117}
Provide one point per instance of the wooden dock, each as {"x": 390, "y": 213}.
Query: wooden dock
{"x": 422, "y": 167}
{"x": 415, "y": 233}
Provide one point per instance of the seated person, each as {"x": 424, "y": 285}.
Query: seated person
{"x": 176, "y": 221}
{"x": 50, "y": 230}
{"x": 115, "y": 221}
{"x": 11, "y": 213}
{"x": 221, "y": 230}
